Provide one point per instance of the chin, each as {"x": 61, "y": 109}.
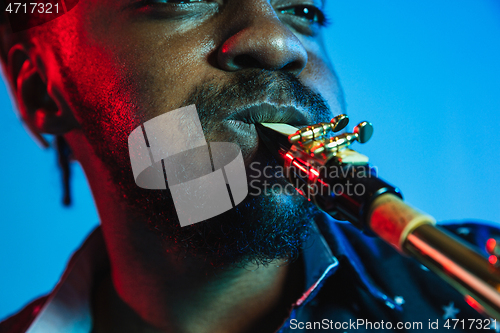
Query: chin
{"x": 258, "y": 231}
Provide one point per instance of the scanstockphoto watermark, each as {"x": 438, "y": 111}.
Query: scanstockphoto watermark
{"x": 357, "y": 324}
{"x": 262, "y": 180}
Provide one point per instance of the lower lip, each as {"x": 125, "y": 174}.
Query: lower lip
{"x": 241, "y": 127}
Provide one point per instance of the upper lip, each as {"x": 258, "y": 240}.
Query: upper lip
{"x": 270, "y": 113}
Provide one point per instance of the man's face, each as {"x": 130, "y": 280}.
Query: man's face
{"x": 125, "y": 62}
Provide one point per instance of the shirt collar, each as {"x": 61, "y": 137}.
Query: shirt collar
{"x": 68, "y": 306}
{"x": 319, "y": 264}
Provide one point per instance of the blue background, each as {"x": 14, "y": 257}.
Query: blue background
{"x": 425, "y": 73}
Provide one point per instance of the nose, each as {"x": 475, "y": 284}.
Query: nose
{"x": 263, "y": 41}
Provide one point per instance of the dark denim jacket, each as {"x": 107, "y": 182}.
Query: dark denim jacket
{"x": 369, "y": 287}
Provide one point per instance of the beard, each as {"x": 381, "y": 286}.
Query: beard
{"x": 261, "y": 229}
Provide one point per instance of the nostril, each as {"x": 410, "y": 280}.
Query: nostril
{"x": 245, "y": 61}
{"x": 291, "y": 66}
{"x": 294, "y": 67}
{"x": 248, "y": 61}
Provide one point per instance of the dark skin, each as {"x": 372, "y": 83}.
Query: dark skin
{"x": 111, "y": 314}
{"x": 131, "y": 63}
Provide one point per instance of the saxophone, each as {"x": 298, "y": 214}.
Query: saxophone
{"x": 340, "y": 181}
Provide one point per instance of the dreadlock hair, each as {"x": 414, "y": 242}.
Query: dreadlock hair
{"x": 63, "y": 158}
{"x": 7, "y": 40}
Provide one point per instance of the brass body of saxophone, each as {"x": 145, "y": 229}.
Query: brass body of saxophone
{"x": 323, "y": 166}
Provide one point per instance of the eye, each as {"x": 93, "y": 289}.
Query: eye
{"x": 309, "y": 13}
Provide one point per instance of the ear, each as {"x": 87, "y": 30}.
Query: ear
{"x": 41, "y": 105}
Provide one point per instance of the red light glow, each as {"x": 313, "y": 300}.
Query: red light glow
{"x": 322, "y": 182}
{"x": 493, "y": 259}
{"x": 473, "y": 303}
{"x": 300, "y": 167}
{"x": 490, "y": 245}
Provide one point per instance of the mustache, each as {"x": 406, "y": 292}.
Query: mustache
{"x": 215, "y": 100}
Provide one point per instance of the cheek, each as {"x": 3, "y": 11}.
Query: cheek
{"x": 98, "y": 89}
{"x": 118, "y": 88}
{"x": 86, "y": 63}
{"x": 322, "y": 79}
{"x": 131, "y": 72}
{"x": 164, "y": 70}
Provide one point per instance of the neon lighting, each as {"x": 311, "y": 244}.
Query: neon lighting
{"x": 490, "y": 245}
{"x": 300, "y": 167}
{"x": 473, "y": 303}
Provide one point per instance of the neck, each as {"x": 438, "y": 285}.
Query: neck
{"x": 152, "y": 289}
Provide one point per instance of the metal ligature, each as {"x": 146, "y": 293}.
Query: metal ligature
{"x": 340, "y": 181}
